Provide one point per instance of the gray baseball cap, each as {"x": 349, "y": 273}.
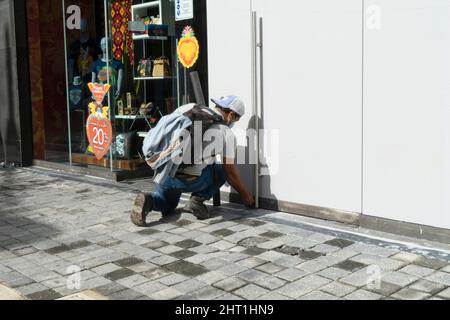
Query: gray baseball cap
{"x": 231, "y": 102}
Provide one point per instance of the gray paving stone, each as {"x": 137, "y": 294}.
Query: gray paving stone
{"x": 183, "y": 254}
{"x": 440, "y": 277}
{"x": 222, "y": 245}
{"x": 251, "y": 262}
{"x": 110, "y": 288}
{"x": 289, "y": 250}
{"x": 288, "y": 261}
{"x": 119, "y": 274}
{"x": 254, "y": 251}
{"x": 142, "y": 267}
{"x": 427, "y": 286}
{"x": 48, "y": 294}
{"x": 106, "y": 268}
{"x": 333, "y": 273}
{"x": 251, "y": 292}
{"x": 172, "y": 279}
{"x": 350, "y": 265}
{"x": 325, "y": 248}
{"x": 229, "y": 297}
{"x": 231, "y": 269}
{"x": 274, "y": 296}
{"x": 290, "y": 274}
{"x": 338, "y": 289}
{"x": 169, "y": 249}
{"x": 311, "y": 266}
{"x": 410, "y": 294}
{"x": 340, "y": 243}
{"x": 234, "y": 256}
{"x": 372, "y": 249}
{"x": 385, "y": 289}
{"x": 128, "y": 294}
{"x": 319, "y": 295}
{"x": 362, "y": 295}
{"x": 215, "y": 264}
{"x": 31, "y": 288}
{"x": 445, "y": 294}
{"x": 94, "y": 283}
{"x": 381, "y": 262}
{"x": 399, "y": 278}
{"x": 189, "y": 286}
{"x": 187, "y": 268}
{"x": 251, "y": 275}
{"x": 314, "y": 281}
{"x": 417, "y": 271}
{"x": 295, "y": 290}
{"x": 271, "y": 234}
{"x": 269, "y": 282}
{"x": 188, "y": 244}
{"x": 230, "y": 284}
{"x": 208, "y": 293}
{"x": 133, "y": 281}
{"x": 149, "y": 288}
{"x": 164, "y": 260}
{"x": 357, "y": 279}
{"x": 166, "y": 294}
{"x": 270, "y": 268}
{"x": 211, "y": 277}
{"x": 271, "y": 245}
{"x": 156, "y": 244}
{"x": 270, "y": 255}
{"x": 430, "y": 263}
{"x": 406, "y": 256}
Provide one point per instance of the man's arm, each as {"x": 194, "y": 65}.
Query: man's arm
{"x": 234, "y": 179}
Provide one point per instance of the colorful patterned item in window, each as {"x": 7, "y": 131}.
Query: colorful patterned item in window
{"x": 121, "y": 15}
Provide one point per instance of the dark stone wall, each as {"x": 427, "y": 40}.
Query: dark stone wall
{"x": 15, "y": 112}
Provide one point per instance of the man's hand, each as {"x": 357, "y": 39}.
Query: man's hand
{"x": 249, "y": 201}
{"x": 235, "y": 181}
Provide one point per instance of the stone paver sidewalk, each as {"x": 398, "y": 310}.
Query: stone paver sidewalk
{"x": 69, "y": 237}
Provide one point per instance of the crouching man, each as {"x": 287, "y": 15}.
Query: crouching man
{"x": 203, "y": 180}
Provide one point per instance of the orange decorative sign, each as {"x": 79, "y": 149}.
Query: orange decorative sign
{"x": 188, "y": 48}
{"x": 99, "y": 91}
{"x": 99, "y": 132}
{"x": 98, "y": 127}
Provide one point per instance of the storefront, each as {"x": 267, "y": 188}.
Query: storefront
{"x": 355, "y": 92}
{"x": 76, "y": 42}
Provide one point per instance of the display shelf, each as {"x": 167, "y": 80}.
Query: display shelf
{"x": 152, "y": 78}
{"x": 142, "y": 134}
{"x": 147, "y": 37}
{"x": 146, "y": 5}
{"x": 132, "y": 117}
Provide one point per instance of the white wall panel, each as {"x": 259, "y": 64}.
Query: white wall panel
{"x": 313, "y": 95}
{"x": 407, "y": 112}
{"x": 229, "y": 59}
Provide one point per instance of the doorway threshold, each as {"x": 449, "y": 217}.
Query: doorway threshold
{"x": 94, "y": 171}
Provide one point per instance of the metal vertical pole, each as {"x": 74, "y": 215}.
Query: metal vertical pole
{"x": 255, "y": 104}
{"x": 69, "y": 129}
{"x": 109, "y": 65}
{"x": 178, "y": 76}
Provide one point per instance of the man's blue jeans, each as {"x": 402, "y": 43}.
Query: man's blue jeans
{"x": 167, "y": 195}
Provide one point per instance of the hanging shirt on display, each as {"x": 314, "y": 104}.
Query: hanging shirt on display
{"x": 76, "y": 96}
{"x": 83, "y": 54}
{"x": 101, "y": 69}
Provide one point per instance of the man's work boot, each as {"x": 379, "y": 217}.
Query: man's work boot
{"x": 197, "y": 208}
{"x": 142, "y": 206}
